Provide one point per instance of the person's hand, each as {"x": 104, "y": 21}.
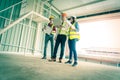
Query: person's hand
{"x": 72, "y": 27}
{"x": 58, "y": 26}
{"x": 44, "y": 28}
{"x": 55, "y": 38}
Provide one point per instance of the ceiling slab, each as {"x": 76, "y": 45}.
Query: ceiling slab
{"x": 83, "y": 4}
{"x": 85, "y": 7}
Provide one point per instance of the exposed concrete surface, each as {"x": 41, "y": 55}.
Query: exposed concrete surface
{"x": 17, "y": 67}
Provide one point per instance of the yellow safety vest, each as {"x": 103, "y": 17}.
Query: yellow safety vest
{"x": 73, "y": 34}
{"x": 64, "y": 30}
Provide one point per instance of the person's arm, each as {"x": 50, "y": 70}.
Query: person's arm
{"x": 70, "y": 25}
{"x": 57, "y": 32}
{"x": 44, "y": 27}
{"x": 77, "y": 26}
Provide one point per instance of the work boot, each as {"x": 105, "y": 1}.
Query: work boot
{"x": 43, "y": 57}
{"x": 52, "y": 60}
{"x": 68, "y": 62}
{"x": 60, "y": 60}
{"x": 75, "y": 64}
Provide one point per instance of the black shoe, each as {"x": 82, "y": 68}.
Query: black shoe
{"x": 52, "y": 60}
{"x": 43, "y": 57}
{"x": 68, "y": 62}
{"x": 75, "y": 64}
{"x": 60, "y": 61}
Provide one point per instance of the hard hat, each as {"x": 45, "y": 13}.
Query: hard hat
{"x": 51, "y": 17}
{"x": 64, "y": 15}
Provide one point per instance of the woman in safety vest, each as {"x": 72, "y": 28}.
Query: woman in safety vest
{"x": 72, "y": 38}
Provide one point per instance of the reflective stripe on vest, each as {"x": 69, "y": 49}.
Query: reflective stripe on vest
{"x": 73, "y": 34}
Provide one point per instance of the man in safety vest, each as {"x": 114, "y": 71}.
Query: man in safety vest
{"x": 72, "y": 38}
{"x": 61, "y": 38}
{"x": 49, "y": 30}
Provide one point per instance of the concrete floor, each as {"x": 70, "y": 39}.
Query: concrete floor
{"x": 17, "y": 67}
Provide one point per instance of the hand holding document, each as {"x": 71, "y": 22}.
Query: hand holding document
{"x": 67, "y": 25}
{"x": 58, "y": 24}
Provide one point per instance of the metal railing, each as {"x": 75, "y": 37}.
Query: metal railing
{"x": 21, "y": 2}
{"x": 11, "y": 31}
{"x": 12, "y": 10}
{"x": 10, "y": 40}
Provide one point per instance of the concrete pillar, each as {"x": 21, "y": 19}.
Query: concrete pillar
{"x": 37, "y": 40}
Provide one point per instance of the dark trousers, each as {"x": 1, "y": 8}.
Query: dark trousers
{"x": 61, "y": 39}
{"x": 47, "y": 39}
{"x": 72, "y": 49}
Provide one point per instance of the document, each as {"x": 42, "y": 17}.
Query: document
{"x": 57, "y": 22}
{"x": 48, "y": 29}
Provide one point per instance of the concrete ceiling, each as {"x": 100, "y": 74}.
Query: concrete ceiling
{"x": 86, "y": 7}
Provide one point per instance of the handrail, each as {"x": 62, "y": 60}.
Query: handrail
{"x": 11, "y": 6}
{"x": 4, "y": 18}
{"x": 20, "y": 19}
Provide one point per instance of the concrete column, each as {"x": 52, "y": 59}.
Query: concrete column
{"x": 38, "y": 42}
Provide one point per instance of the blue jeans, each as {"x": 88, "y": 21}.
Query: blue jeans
{"x": 61, "y": 39}
{"x": 72, "y": 49}
{"x": 47, "y": 39}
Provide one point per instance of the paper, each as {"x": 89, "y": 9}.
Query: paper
{"x": 48, "y": 30}
{"x": 67, "y": 25}
{"x": 68, "y": 22}
{"x": 57, "y": 22}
